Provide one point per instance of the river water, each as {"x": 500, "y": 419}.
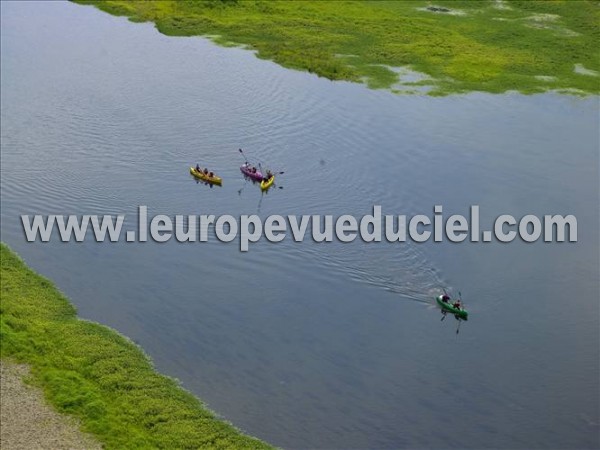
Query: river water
{"x": 311, "y": 345}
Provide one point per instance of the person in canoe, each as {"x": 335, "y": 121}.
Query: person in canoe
{"x": 197, "y": 168}
{"x": 445, "y": 298}
{"x": 205, "y": 171}
{"x": 457, "y": 304}
{"x": 269, "y": 175}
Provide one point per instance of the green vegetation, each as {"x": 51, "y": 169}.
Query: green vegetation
{"x": 94, "y": 373}
{"x": 456, "y": 46}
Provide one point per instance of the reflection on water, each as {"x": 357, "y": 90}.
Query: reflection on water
{"x": 303, "y": 344}
{"x": 456, "y": 316}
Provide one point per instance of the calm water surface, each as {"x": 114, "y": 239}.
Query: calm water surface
{"x": 311, "y": 345}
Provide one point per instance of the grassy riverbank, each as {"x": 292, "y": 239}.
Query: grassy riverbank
{"x": 97, "y": 375}
{"x": 456, "y": 46}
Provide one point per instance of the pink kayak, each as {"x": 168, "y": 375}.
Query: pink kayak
{"x": 247, "y": 170}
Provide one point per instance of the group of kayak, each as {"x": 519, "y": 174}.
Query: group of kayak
{"x": 265, "y": 179}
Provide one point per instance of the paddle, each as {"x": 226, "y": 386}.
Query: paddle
{"x": 244, "y": 155}
{"x": 462, "y": 307}
{"x": 275, "y": 173}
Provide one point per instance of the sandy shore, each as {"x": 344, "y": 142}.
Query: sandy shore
{"x": 28, "y": 422}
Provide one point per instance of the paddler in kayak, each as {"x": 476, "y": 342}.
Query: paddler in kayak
{"x": 457, "y": 304}
{"x": 199, "y": 170}
{"x": 445, "y": 298}
{"x": 269, "y": 175}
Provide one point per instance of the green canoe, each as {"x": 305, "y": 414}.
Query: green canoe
{"x": 447, "y": 306}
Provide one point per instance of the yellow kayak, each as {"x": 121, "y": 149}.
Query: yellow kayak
{"x": 266, "y": 184}
{"x": 204, "y": 177}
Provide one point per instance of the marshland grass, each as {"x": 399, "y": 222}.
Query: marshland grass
{"x": 492, "y": 46}
{"x": 99, "y": 376}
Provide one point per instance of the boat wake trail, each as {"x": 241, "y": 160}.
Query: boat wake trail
{"x": 405, "y": 271}
{"x": 408, "y": 274}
